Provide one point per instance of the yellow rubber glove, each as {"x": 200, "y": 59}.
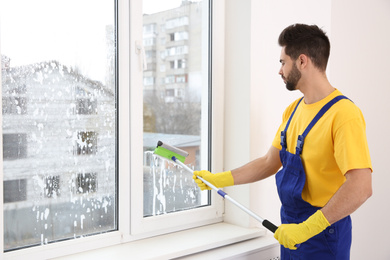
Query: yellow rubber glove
{"x": 290, "y": 235}
{"x": 219, "y": 180}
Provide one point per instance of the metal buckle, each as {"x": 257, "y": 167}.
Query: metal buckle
{"x": 300, "y": 142}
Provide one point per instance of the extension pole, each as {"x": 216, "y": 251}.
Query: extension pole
{"x": 264, "y": 222}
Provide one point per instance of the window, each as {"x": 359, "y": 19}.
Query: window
{"x": 163, "y": 54}
{"x": 52, "y": 187}
{"x": 149, "y": 29}
{"x": 175, "y": 79}
{"x": 149, "y": 41}
{"x": 78, "y": 170}
{"x": 151, "y": 66}
{"x": 85, "y": 143}
{"x": 14, "y": 105}
{"x": 14, "y": 146}
{"x": 148, "y": 81}
{"x": 181, "y": 78}
{"x": 15, "y": 190}
{"x": 59, "y": 120}
{"x": 150, "y": 54}
{"x": 178, "y": 64}
{"x": 177, "y": 115}
{"x": 178, "y": 36}
{"x": 170, "y": 92}
{"x": 169, "y": 79}
{"x": 178, "y": 50}
{"x": 176, "y": 22}
{"x": 86, "y": 183}
{"x": 86, "y": 106}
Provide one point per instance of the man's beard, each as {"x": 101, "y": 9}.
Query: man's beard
{"x": 292, "y": 79}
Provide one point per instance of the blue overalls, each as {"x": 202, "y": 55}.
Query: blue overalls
{"x": 335, "y": 241}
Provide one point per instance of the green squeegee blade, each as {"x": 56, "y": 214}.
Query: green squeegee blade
{"x": 168, "y": 154}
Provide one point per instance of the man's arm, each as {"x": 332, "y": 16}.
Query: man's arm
{"x": 351, "y": 195}
{"x": 255, "y": 170}
{"x": 258, "y": 169}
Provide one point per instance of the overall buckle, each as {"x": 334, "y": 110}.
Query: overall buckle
{"x": 283, "y": 142}
{"x": 300, "y": 142}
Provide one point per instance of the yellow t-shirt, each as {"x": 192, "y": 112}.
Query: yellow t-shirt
{"x": 336, "y": 144}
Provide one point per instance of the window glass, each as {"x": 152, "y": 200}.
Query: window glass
{"x": 58, "y": 61}
{"x": 175, "y": 101}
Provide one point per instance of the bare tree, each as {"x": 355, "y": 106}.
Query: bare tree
{"x": 171, "y": 117}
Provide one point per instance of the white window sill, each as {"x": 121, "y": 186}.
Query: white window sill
{"x": 260, "y": 248}
{"x": 185, "y": 243}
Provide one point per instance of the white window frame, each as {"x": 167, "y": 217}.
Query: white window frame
{"x": 151, "y": 226}
{"x": 132, "y": 225}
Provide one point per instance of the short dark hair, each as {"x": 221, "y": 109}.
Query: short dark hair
{"x": 306, "y": 39}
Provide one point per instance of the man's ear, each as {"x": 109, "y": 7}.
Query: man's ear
{"x": 303, "y": 61}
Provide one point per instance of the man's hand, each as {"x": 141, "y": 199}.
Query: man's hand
{"x": 219, "y": 180}
{"x": 290, "y": 235}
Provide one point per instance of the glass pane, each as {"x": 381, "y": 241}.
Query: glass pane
{"x": 176, "y": 101}
{"x": 59, "y": 120}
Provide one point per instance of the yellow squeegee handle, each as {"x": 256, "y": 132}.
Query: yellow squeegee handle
{"x": 270, "y": 226}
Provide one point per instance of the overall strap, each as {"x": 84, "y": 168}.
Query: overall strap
{"x": 324, "y": 109}
{"x": 283, "y": 140}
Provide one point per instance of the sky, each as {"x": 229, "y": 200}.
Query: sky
{"x": 33, "y": 34}
{"x": 72, "y": 32}
{"x": 155, "y": 6}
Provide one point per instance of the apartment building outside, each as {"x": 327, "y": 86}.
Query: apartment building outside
{"x": 172, "y": 82}
{"x": 58, "y": 146}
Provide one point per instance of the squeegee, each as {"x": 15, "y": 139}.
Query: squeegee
{"x": 178, "y": 156}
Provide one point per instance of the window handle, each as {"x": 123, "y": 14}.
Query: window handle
{"x": 140, "y": 50}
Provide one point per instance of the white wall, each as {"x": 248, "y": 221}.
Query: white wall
{"x": 359, "y": 67}
{"x": 237, "y": 99}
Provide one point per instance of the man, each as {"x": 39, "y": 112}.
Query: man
{"x": 322, "y": 146}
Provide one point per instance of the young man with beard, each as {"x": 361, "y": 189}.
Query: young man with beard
{"x": 322, "y": 148}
